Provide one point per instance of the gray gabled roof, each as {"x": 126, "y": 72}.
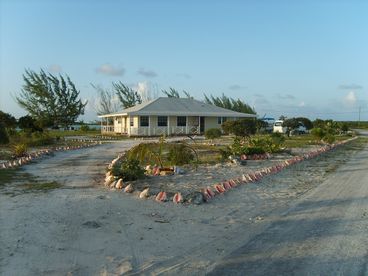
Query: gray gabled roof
{"x": 178, "y": 107}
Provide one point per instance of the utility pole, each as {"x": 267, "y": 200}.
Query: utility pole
{"x": 359, "y": 115}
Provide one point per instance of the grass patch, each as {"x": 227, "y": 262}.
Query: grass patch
{"x": 65, "y": 133}
{"x": 37, "y": 186}
{"x": 12, "y": 175}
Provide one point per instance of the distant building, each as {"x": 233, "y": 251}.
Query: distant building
{"x": 168, "y": 116}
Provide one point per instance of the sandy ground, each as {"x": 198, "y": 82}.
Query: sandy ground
{"x": 86, "y": 229}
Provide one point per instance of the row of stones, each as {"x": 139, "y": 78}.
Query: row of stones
{"x": 41, "y": 153}
{"x": 210, "y": 192}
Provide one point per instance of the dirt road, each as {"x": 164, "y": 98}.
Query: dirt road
{"x": 308, "y": 219}
{"x": 324, "y": 233}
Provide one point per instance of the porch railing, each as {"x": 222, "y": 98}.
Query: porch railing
{"x": 105, "y": 129}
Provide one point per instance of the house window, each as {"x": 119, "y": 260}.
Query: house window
{"x": 119, "y": 121}
{"x": 144, "y": 121}
{"x": 221, "y": 120}
{"x": 131, "y": 122}
{"x": 181, "y": 121}
{"x": 162, "y": 121}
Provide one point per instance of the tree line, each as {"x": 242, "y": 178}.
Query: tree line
{"x": 53, "y": 101}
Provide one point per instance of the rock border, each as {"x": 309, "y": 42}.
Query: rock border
{"x": 43, "y": 152}
{"x": 208, "y": 193}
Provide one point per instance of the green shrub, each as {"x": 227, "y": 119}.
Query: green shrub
{"x": 277, "y": 138}
{"x": 254, "y": 150}
{"x": 84, "y": 128}
{"x": 128, "y": 169}
{"x": 259, "y": 145}
{"x": 19, "y": 150}
{"x": 4, "y": 138}
{"x": 242, "y": 128}
{"x": 180, "y": 154}
{"x": 267, "y": 144}
{"x": 40, "y": 139}
{"x": 329, "y": 138}
{"x": 344, "y": 127}
{"x": 318, "y": 133}
{"x": 212, "y": 133}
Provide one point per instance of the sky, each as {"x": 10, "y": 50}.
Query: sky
{"x": 294, "y": 58}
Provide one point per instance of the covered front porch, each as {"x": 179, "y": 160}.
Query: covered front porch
{"x": 156, "y": 125}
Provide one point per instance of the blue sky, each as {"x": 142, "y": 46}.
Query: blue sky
{"x": 296, "y": 58}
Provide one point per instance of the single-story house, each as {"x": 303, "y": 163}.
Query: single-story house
{"x": 168, "y": 116}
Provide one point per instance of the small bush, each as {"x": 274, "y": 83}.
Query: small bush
{"x": 40, "y": 139}
{"x": 213, "y": 133}
{"x": 318, "y": 133}
{"x": 242, "y": 127}
{"x": 20, "y": 150}
{"x": 278, "y": 138}
{"x": 254, "y": 150}
{"x": 180, "y": 154}
{"x": 128, "y": 169}
{"x": 329, "y": 138}
{"x": 84, "y": 128}
{"x": 4, "y": 138}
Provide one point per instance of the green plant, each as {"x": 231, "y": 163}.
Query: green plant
{"x": 267, "y": 144}
{"x": 180, "y": 154}
{"x": 254, "y": 150}
{"x": 4, "y": 138}
{"x": 242, "y": 128}
{"x": 19, "y": 150}
{"x": 84, "y": 128}
{"x": 318, "y": 133}
{"x": 40, "y": 139}
{"x": 344, "y": 127}
{"x": 212, "y": 133}
{"x": 148, "y": 152}
{"x": 128, "y": 169}
{"x": 278, "y": 138}
{"x": 329, "y": 138}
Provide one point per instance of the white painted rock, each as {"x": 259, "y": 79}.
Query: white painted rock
{"x": 109, "y": 180}
{"x": 112, "y": 185}
{"x": 119, "y": 184}
{"x": 144, "y": 193}
{"x": 129, "y": 188}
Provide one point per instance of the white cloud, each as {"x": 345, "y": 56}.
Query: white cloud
{"x": 184, "y": 75}
{"x": 236, "y": 87}
{"x": 301, "y": 104}
{"x": 350, "y": 86}
{"x": 108, "y": 69}
{"x": 350, "y": 99}
{"x": 147, "y": 73}
{"x": 54, "y": 68}
{"x": 285, "y": 97}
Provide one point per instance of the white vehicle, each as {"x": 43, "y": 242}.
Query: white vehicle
{"x": 277, "y": 127}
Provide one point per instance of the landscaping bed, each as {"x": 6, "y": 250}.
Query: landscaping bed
{"x": 200, "y": 183}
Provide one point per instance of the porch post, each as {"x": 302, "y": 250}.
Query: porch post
{"x": 130, "y": 128}
{"x": 168, "y": 125}
{"x": 186, "y": 125}
{"x": 199, "y": 124}
{"x": 149, "y": 125}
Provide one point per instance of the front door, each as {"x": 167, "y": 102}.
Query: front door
{"x": 201, "y": 130}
